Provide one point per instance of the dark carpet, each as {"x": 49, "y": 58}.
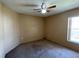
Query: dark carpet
{"x": 41, "y": 49}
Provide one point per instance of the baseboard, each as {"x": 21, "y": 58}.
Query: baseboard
{"x": 62, "y": 45}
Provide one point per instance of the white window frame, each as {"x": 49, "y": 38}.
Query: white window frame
{"x": 69, "y": 29}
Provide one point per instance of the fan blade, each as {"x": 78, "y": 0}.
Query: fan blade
{"x": 36, "y": 9}
{"x": 51, "y": 7}
{"x": 28, "y": 5}
{"x": 48, "y": 10}
{"x": 39, "y": 11}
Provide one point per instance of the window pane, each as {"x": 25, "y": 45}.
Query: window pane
{"x": 74, "y": 29}
{"x": 75, "y": 22}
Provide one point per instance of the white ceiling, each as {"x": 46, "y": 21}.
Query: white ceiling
{"x": 61, "y": 5}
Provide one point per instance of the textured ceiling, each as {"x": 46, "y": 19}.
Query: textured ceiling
{"x": 61, "y": 5}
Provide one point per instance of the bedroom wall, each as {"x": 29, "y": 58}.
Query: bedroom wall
{"x": 1, "y": 33}
{"x": 56, "y": 28}
{"x": 9, "y": 30}
{"x": 32, "y": 28}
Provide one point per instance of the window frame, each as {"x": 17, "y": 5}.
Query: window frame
{"x": 69, "y": 29}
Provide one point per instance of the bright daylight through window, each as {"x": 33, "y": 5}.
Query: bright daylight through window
{"x": 73, "y": 29}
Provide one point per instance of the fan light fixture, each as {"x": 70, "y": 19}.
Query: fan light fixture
{"x": 43, "y": 8}
{"x": 43, "y": 11}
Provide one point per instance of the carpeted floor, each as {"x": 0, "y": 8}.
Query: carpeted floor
{"x": 41, "y": 49}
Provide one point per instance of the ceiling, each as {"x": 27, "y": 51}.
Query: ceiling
{"x": 61, "y": 6}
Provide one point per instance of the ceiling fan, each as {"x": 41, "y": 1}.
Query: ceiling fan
{"x": 43, "y": 8}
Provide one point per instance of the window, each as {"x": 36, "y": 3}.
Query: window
{"x": 73, "y": 29}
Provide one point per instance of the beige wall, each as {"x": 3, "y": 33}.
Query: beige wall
{"x": 9, "y": 30}
{"x": 31, "y": 28}
{"x": 56, "y": 28}
{"x": 1, "y": 33}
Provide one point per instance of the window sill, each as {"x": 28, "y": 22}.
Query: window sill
{"x": 74, "y": 42}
